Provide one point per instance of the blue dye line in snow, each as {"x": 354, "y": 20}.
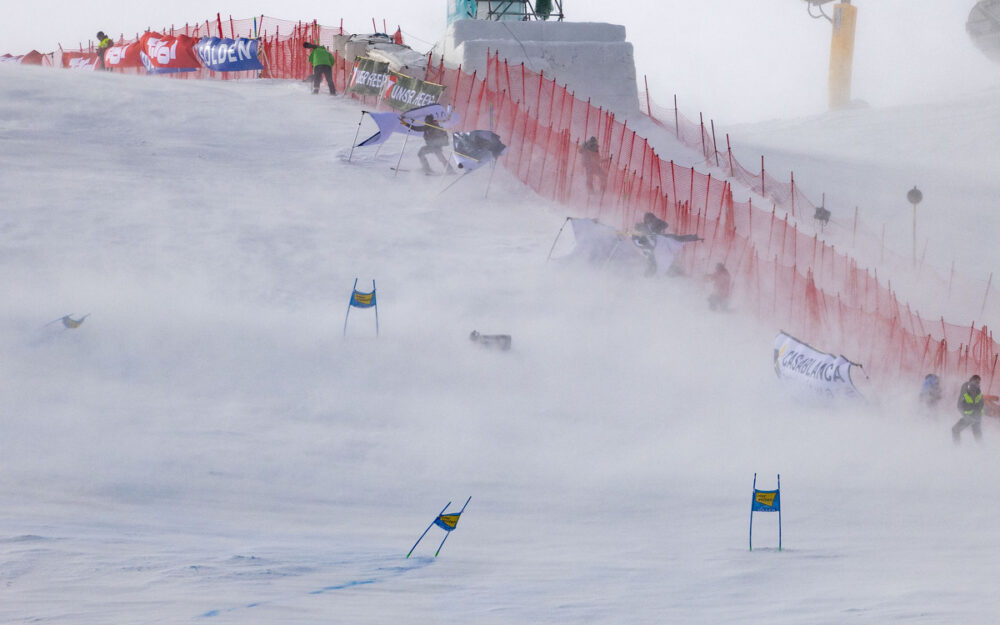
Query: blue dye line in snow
{"x": 396, "y": 570}
{"x": 351, "y": 584}
{"x": 342, "y": 586}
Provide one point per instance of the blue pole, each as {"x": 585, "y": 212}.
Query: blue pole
{"x": 446, "y": 534}
{"x": 429, "y": 529}
{"x": 779, "y": 512}
{"x": 376, "y": 307}
{"x": 353, "y": 288}
{"x": 751, "y": 509}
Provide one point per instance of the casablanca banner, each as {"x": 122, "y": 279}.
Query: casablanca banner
{"x": 806, "y": 370}
{"x": 229, "y": 55}
{"x": 163, "y": 54}
{"x": 125, "y": 55}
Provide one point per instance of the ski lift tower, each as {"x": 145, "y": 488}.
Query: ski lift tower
{"x": 844, "y": 20}
{"x": 505, "y": 10}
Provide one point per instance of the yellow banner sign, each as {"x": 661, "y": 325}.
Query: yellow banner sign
{"x": 765, "y": 499}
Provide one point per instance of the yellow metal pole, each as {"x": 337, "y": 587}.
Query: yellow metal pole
{"x": 845, "y": 17}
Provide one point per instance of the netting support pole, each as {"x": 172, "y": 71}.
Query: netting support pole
{"x": 729, "y": 150}
{"x": 677, "y": 123}
{"x": 986, "y": 295}
{"x": 715, "y": 145}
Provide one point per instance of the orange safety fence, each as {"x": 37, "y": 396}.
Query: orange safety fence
{"x": 790, "y": 278}
{"x": 789, "y": 196}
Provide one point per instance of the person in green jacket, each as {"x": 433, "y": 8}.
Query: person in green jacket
{"x": 322, "y": 62}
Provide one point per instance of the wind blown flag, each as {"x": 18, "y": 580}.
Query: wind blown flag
{"x": 69, "y": 322}
{"x": 447, "y": 522}
{"x": 363, "y": 300}
{"x": 360, "y": 299}
{"x": 765, "y": 501}
{"x": 475, "y": 148}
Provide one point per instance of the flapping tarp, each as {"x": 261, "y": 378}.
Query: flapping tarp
{"x": 643, "y": 252}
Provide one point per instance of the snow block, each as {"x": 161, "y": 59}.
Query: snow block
{"x": 591, "y": 59}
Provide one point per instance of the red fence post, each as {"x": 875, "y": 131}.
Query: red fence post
{"x": 729, "y": 150}
{"x": 793, "y": 194}
{"x": 701, "y": 123}
{"x": 715, "y": 146}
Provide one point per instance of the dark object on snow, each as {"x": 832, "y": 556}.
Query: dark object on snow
{"x": 722, "y": 288}
{"x": 930, "y": 392}
{"x": 475, "y": 148}
{"x": 822, "y": 215}
{"x": 500, "y": 341}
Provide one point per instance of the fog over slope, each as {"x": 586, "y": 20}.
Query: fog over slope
{"x": 208, "y": 447}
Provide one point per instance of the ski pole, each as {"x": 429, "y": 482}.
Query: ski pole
{"x": 356, "y": 133}
{"x": 400, "y": 160}
{"x": 558, "y": 234}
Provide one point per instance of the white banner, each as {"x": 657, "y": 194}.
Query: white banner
{"x": 808, "y": 371}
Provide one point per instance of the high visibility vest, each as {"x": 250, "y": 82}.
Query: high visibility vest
{"x": 105, "y": 43}
{"x": 971, "y": 402}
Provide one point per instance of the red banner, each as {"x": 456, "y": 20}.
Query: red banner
{"x": 165, "y": 53}
{"x": 122, "y": 56}
{"x": 32, "y": 58}
{"x": 79, "y": 60}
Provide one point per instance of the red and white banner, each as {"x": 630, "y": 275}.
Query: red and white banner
{"x": 79, "y": 60}
{"x": 32, "y": 58}
{"x": 122, "y": 56}
{"x": 165, "y": 53}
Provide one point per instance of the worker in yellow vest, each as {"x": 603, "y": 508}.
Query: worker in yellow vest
{"x": 970, "y": 404}
{"x": 103, "y": 43}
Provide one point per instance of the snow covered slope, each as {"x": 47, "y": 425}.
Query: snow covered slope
{"x": 206, "y": 447}
{"x": 870, "y": 158}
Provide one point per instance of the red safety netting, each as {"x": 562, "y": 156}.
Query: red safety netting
{"x": 792, "y": 279}
{"x": 865, "y": 239}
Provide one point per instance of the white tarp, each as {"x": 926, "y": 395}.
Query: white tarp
{"x": 643, "y": 252}
{"x": 807, "y": 371}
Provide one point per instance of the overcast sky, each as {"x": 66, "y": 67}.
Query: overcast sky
{"x": 733, "y": 59}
